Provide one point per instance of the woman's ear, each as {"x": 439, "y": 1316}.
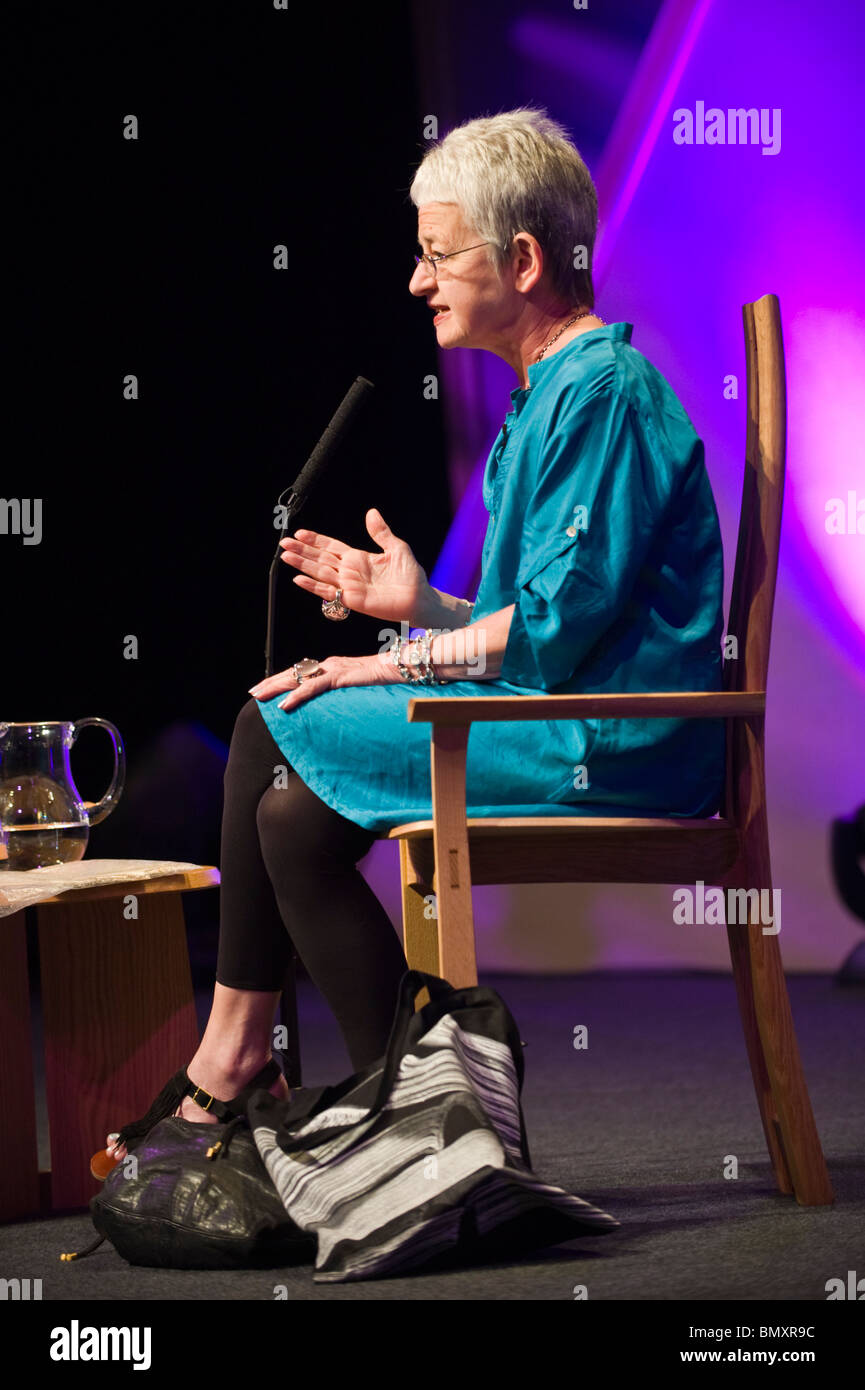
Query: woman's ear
{"x": 527, "y": 260}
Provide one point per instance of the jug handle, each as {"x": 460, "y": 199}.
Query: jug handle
{"x": 97, "y": 811}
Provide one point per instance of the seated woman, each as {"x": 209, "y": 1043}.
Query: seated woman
{"x": 602, "y": 571}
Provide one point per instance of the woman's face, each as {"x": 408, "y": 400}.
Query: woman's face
{"x": 472, "y": 304}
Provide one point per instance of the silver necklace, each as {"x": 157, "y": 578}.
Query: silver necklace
{"x": 588, "y": 314}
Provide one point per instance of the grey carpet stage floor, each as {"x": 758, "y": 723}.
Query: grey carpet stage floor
{"x": 641, "y": 1122}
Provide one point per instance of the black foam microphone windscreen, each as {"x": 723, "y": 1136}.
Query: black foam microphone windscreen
{"x": 346, "y": 413}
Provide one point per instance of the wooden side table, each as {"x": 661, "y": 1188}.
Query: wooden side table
{"x": 118, "y": 1020}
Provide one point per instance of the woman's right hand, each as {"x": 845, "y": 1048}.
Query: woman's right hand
{"x": 390, "y": 585}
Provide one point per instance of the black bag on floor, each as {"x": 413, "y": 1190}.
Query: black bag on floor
{"x": 422, "y": 1156}
{"x": 196, "y": 1197}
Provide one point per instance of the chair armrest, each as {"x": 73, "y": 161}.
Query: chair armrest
{"x": 457, "y": 710}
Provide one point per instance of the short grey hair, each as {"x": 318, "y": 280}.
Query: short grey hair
{"x": 518, "y": 172}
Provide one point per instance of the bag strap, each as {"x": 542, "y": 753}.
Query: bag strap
{"x": 411, "y": 983}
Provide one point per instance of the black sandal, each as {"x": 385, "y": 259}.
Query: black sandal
{"x": 169, "y": 1098}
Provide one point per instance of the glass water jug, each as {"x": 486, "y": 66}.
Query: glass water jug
{"x": 42, "y": 817}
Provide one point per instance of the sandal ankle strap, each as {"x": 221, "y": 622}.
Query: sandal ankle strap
{"x": 180, "y": 1085}
{"x": 230, "y": 1109}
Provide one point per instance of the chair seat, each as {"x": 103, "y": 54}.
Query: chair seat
{"x": 583, "y": 849}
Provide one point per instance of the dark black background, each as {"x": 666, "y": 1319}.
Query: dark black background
{"x": 155, "y": 257}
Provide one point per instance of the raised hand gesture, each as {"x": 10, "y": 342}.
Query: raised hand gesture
{"x": 389, "y": 584}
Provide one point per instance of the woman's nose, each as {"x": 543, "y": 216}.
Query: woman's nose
{"x": 421, "y": 279}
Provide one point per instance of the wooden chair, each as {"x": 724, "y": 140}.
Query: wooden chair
{"x": 446, "y": 855}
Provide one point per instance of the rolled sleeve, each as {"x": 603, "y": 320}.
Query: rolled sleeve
{"x": 597, "y": 496}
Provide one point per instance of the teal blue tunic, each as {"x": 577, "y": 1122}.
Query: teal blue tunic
{"x": 603, "y": 532}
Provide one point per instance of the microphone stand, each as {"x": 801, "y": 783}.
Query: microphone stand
{"x": 292, "y": 506}
{"x": 290, "y": 1058}
{"x": 297, "y": 494}
{"x": 338, "y": 427}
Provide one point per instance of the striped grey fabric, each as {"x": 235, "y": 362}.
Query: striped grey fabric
{"x": 438, "y": 1172}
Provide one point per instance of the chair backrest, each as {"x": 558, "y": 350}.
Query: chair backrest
{"x": 753, "y": 595}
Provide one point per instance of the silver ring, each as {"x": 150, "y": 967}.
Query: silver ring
{"x": 306, "y": 675}
{"x": 334, "y": 608}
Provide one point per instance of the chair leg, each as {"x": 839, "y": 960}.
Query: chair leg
{"x": 779, "y": 1081}
{"x": 420, "y": 926}
{"x": 453, "y": 880}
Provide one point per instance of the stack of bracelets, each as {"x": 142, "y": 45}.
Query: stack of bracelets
{"x": 416, "y": 666}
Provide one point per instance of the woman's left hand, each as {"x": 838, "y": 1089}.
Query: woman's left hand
{"x": 334, "y": 672}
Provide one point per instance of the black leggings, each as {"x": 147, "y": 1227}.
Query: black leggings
{"x": 289, "y": 877}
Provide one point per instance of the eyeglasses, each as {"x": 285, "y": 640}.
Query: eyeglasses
{"x": 432, "y": 261}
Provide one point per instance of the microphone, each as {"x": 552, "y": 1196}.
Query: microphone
{"x": 319, "y": 461}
